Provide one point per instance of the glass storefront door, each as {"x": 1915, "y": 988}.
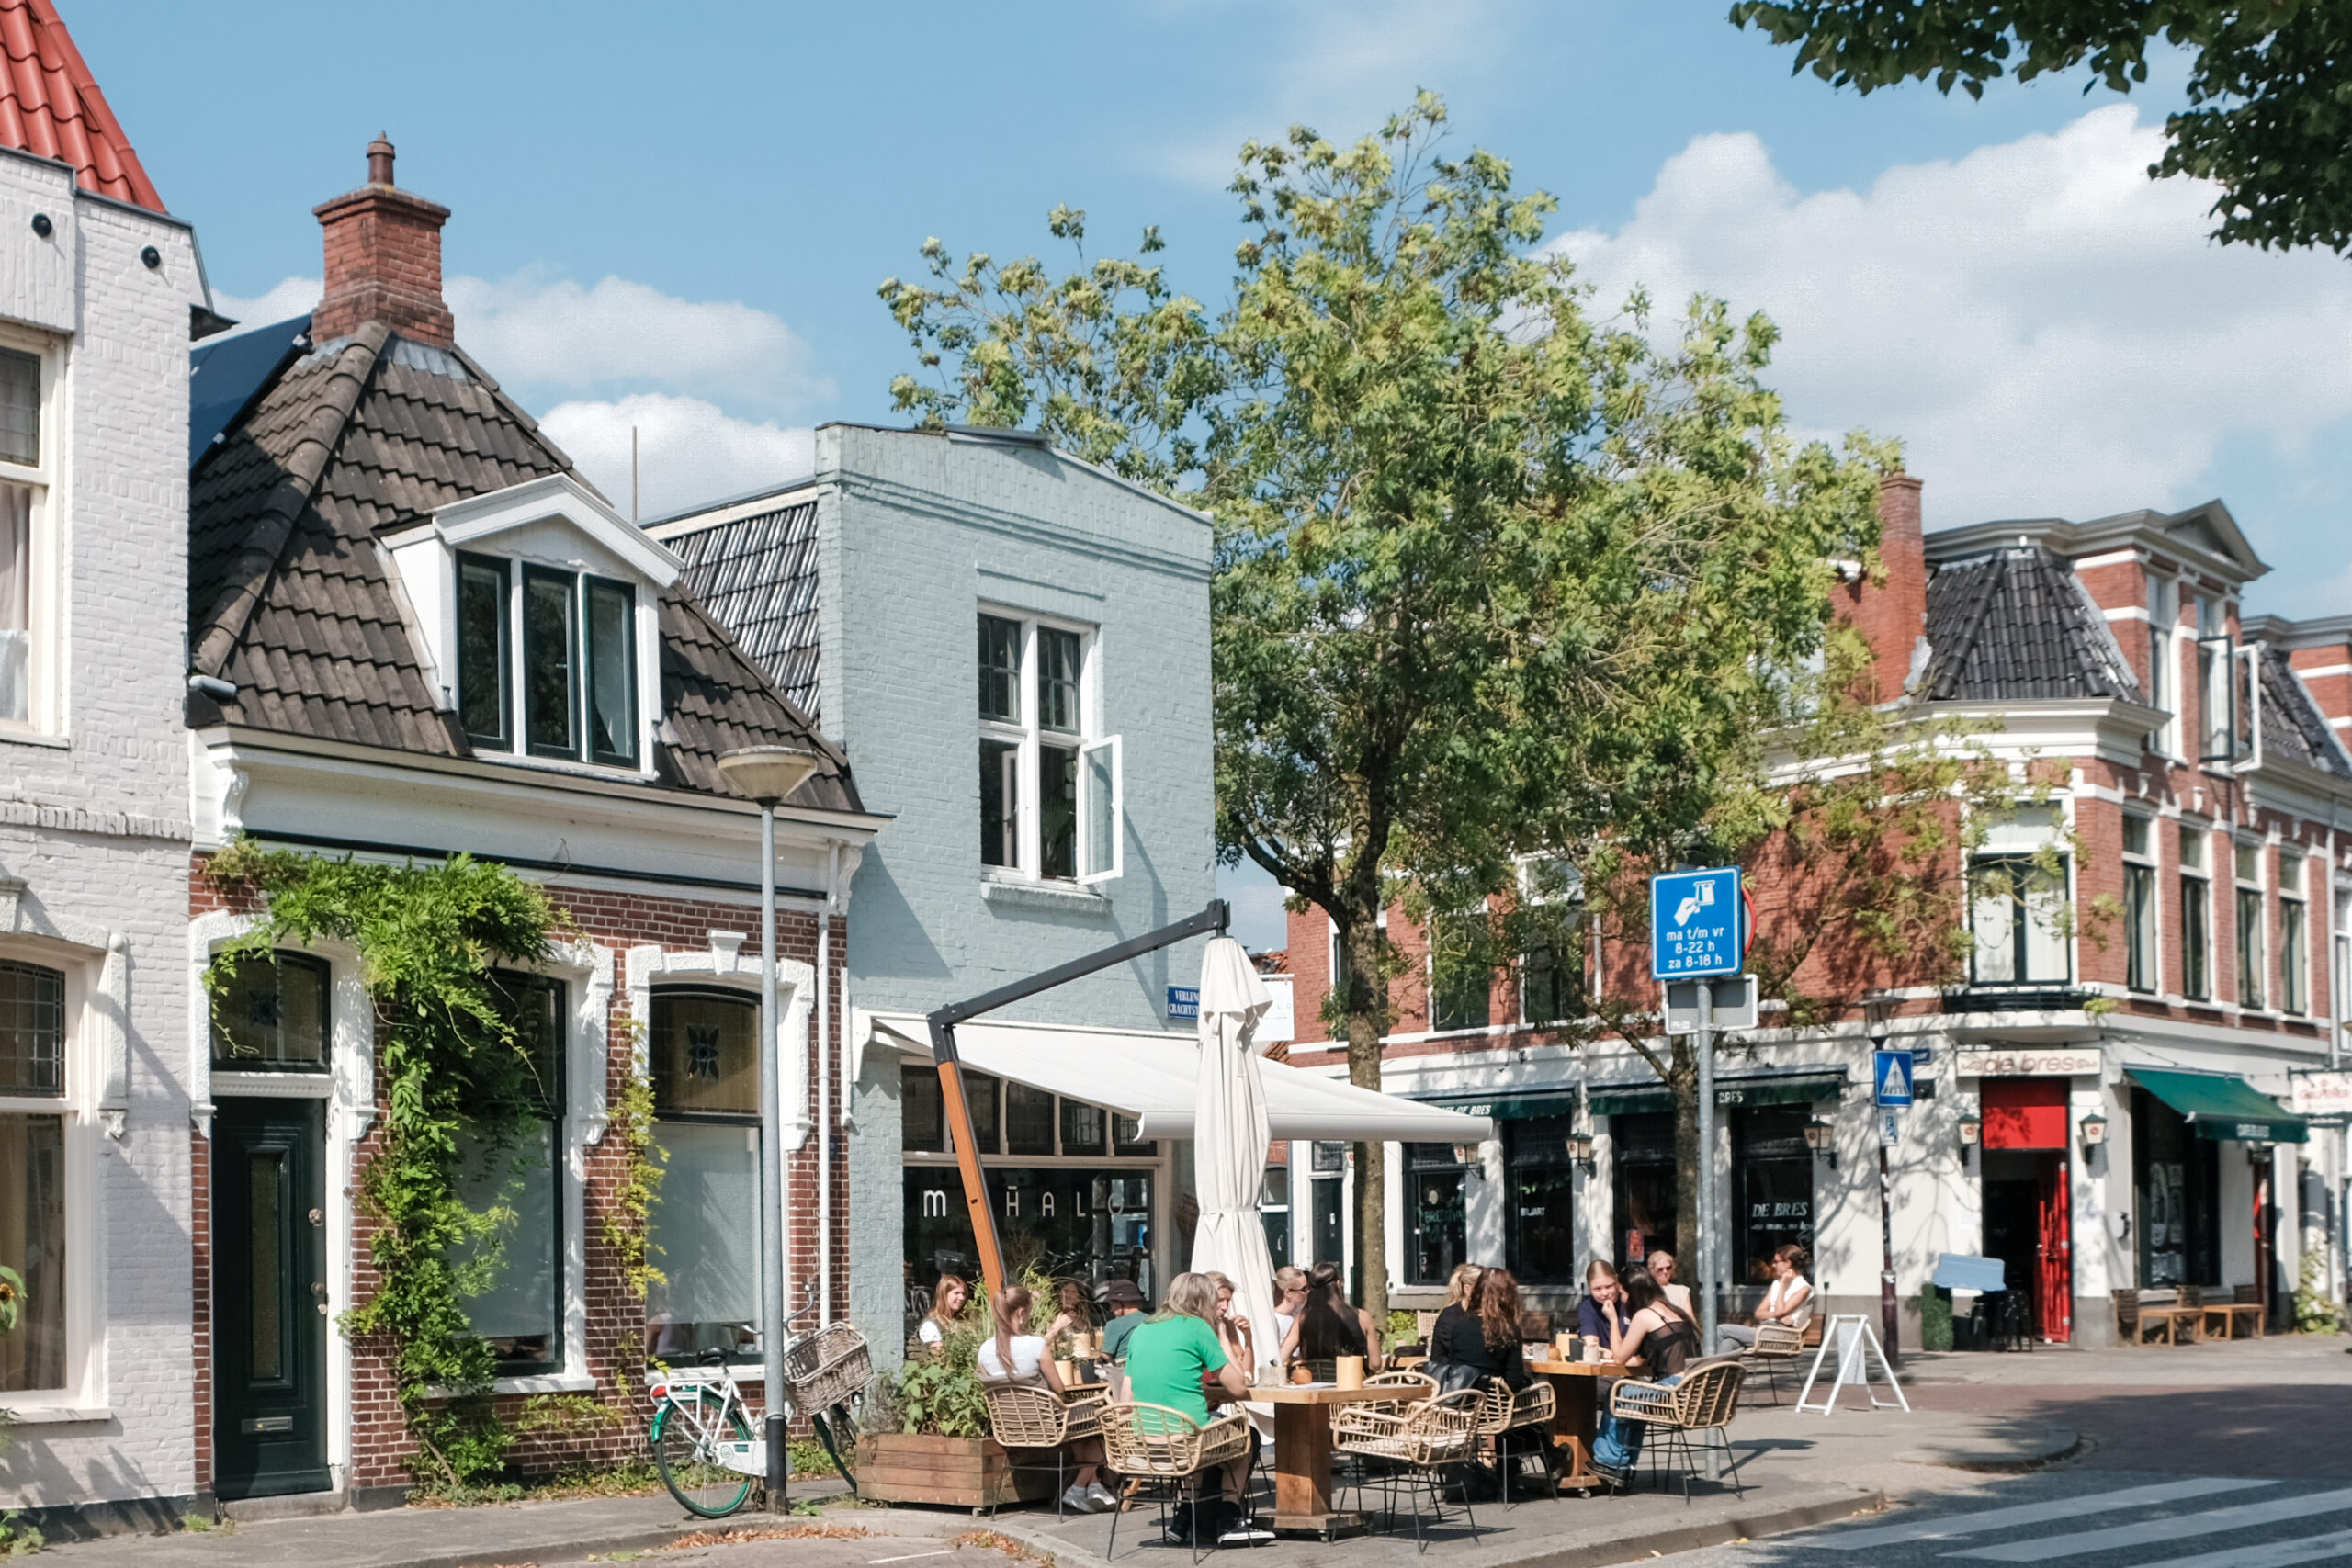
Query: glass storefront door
{"x": 1645, "y": 1185}
{"x": 1773, "y": 1172}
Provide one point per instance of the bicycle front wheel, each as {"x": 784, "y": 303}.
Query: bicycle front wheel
{"x": 684, "y": 1434}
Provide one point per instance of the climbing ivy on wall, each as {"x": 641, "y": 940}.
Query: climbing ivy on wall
{"x": 456, "y": 1080}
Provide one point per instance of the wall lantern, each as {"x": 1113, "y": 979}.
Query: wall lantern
{"x": 2258, "y": 1153}
{"x": 1580, "y": 1152}
{"x": 1465, "y": 1153}
{"x": 1821, "y": 1137}
{"x": 2094, "y": 1128}
{"x": 1971, "y": 1128}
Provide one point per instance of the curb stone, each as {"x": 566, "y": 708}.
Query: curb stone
{"x": 2059, "y": 1444}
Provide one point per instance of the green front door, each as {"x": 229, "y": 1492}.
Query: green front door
{"x": 269, "y": 1311}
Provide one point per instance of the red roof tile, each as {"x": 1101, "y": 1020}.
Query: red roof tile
{"x": 51, "y": 106}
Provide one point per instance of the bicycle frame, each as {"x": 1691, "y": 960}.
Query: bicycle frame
{"x": 708, "y": 1427}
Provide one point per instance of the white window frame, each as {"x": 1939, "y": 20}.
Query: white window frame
{"x": 2150, "y": 860}
{"x": 45, "y": 479}
{"x": 82, "y": 1139}
{"x": 1029, "y": 738}
{"x": 2295, "y": 957}
{"x": 2201, "y": 872}
{"x": 515, "y": 674}
{"x": 2258, "y": 885}
{"x": 2164, "y": 662}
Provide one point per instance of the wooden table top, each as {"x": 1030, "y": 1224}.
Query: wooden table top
{"x": 1322, "y": 1393}
{"x": 1577, "y": 1369}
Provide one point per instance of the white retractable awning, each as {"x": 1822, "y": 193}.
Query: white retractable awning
{"x": 1151, "y": 1075}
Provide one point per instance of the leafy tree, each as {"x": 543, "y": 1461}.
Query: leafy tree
{"x": 2271, "y": 87}
{"x": 1491, "y": 575}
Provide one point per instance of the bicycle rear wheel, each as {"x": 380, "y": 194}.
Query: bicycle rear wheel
{"x": 681, "y": 1429}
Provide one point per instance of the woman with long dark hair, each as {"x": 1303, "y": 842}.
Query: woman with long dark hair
{"x": 1662, "y": 1338}
{"x": 1467, "y": 1347}
{"x": 1788, "y": 1300}
{"x": 1329, "y": 1326}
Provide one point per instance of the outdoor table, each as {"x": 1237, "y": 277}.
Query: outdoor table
{"x": 1303, "y": 1450}
{"x": 1576, "y": 1415}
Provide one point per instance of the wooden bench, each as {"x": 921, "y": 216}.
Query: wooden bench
{"x": 2244, "y": 1302}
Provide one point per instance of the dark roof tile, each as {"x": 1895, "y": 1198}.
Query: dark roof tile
{"x": 2016, "y": 625}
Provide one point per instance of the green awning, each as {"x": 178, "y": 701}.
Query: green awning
{"x": 1731, "y": 1093}
{"x": 2220, "y": 1106}
{"x": 1506, "y": 1107}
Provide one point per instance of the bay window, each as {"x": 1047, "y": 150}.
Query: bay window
{"x": 2014, "y": 916}
{"x": 572, "y": 671}
{"x": 703, "y": 1052}
{"x": 1049, "y": 784}
{"x": 32, "y": 1172}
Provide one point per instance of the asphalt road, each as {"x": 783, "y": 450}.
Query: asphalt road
{"x": 2284, "y": 1433}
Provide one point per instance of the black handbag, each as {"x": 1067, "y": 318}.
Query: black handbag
{"x": 1452, "y": 1377}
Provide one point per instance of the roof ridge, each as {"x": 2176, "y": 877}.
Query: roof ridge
{"x": 522, "y": 417}
{"x": 256, "y": 561}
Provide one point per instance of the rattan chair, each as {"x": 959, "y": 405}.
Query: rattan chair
{"x": 1162, "y": 1453}
{"x": 1032, "y": 1416}
{"x": 1414, "y": 1447}
{"x": 1412, "y": 1387}
{"x": 1703, "y": 1403}
{"x": 1503, "y": 1414}
{"x": 1777, "y": 1344}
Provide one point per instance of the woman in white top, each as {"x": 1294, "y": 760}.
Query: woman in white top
{"x": 1011, "y": 1356}
{"x": 947, "y": 1299}
{"x": 1661, "y": 1266}
{"x": 1788, "y": 1300}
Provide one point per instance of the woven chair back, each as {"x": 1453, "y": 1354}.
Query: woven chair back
{"x": 1709, "y": 1396}
{"x": 2247, "y": 1295}
{"x": 1441, "y": 1430}
{"x": 1494, "y": 1406}
{"x": 2193, "y": 1295}
{"x": 1411, "y": 1388}
{"x": 1778, "y": 1339}
{"x": 1154, "y": 1441}
{"x": 1535, "y": 1404}
{"x": 1027, "y": 1415}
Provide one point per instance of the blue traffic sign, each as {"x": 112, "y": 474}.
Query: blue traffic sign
{"x": 1891, "y": 1080}
{"x": 1697, "y": 923}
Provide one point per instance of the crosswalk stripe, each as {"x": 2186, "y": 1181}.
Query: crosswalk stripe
{"x": 2035, "y": 1513}
{"x": 2337, "y": 1544}
{"x": 2245, "y": 1516}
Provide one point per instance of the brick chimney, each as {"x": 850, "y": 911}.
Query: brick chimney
{"x": 1894, "y": 615}
{"x": 384, "y": 250}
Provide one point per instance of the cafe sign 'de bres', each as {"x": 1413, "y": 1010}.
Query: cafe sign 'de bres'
{"x": 2014, "y": 1062}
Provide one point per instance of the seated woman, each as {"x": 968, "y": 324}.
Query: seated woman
{"x": 1484, "y": 1342}
{"x": 1233, "y": 1328}
{"x": 947, "y": 1299}
{"x": 1071, "y": 1312}
{"x": 1011, "y": 1356}
{"x": 1662, "y": 1338}
{"x": 1662, "y": 1266}
{"x": 1329, "y": 1326}
{"x": 1787, "y": 1300}
{"x": 1602, "y": 1316}
{"x": 1171, "y": 1359}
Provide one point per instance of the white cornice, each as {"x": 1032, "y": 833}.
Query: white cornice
{"x": 553, "y": 498}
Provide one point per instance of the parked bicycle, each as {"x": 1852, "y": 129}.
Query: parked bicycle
{"x": 703, "y": 1441}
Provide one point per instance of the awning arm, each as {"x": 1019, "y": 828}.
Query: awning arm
{"x": 957, "y": 1110}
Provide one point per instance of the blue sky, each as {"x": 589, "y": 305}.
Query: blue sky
{"x": 675, "y": 217}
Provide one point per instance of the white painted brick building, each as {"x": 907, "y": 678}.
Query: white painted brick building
{"x": 99, "y": 288}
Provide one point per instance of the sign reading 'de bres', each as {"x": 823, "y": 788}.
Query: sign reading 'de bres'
{"x": 2016, "y": 1062}
{"x": 2319, "y": 1094}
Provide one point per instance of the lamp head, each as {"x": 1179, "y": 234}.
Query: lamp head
{"x": 766, "y": 774}
{"x": 2094, "y": 1128}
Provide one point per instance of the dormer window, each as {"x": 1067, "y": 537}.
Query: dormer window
{"x": 575, "y": 664}
{"x": 538, "y": 608}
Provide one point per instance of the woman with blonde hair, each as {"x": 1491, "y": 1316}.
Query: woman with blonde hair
{"x": 947, "y": 1299}
{"x": 1172, "y": 1360}
{"x": 1232, "y": 1327}
{"x": 1014, "y": 1355}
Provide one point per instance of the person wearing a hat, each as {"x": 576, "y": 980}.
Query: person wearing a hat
{"x": 1127, "y": 1304}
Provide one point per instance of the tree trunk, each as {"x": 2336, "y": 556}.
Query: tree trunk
{"x": 1367, "y": 1017}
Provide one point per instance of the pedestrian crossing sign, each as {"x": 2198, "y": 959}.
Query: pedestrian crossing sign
{"x": 1892, "y": 1078}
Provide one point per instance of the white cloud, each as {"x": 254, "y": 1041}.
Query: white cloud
{"x": 545, "y": 336}
{"x": 2049, "y": 330}
{"x": 689, "y": 451}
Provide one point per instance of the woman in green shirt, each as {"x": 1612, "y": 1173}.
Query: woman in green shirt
{"x": 1171, "y": 1358}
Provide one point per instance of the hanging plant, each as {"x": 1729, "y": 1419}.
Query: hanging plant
{"x": 456, "y": 1082}
{"x": 623, "y": 1219}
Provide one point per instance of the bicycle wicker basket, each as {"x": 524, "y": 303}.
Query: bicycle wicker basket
{"x": 827, "y": 1367}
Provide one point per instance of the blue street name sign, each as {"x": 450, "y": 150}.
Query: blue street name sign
{"x": 1891, "y": 1078}
{"x": 1183, "y": 1001}
{"x": 1697, "y": 923}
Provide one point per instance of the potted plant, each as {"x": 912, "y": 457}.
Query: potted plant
{"x": 926, "y": 1437}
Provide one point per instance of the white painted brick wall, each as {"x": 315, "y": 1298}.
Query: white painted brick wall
{"x": 123, "y": 444}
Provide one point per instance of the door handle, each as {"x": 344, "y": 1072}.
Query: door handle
{"x": 317, "y": 1219}
{"x": 319, "y": 1292}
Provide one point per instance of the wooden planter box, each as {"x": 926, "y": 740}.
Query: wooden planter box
{"x": 955, "y": 1472}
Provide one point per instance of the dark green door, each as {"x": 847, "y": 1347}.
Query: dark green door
{"x": 269, "y": 1316}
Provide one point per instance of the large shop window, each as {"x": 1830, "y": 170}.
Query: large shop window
{"x": 518, "y": 1182}
{"x": 1050, "y": 784}
{"x": 2016, "y": 915}
{"x": 1539, "y": 1192}
{"x": 1061, "y": 1205}
{"x": 2178, "y": 1179}
{"x": 269, "y": 1014}
{"x": 1773, "y": 1170}
{"x": 704, "y": 1055}
{"x": 1646, "y": 1186}
{"x": 32, "y": 1172}
{"x": 1436, "y": 1239}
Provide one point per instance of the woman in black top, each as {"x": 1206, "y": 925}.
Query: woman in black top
{"x": 1665, "y": 1339}
{"x": 1329, "y": 1326}
{"x": 1486, "y": 1341}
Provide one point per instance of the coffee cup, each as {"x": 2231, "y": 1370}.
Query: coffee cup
{"x": 1068, "y": 1373}
{"x": 1349, "y": 1372}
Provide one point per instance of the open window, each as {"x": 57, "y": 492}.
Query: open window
{"x": 1050, "y": 795}
{"x": 2217, "y": 685}
{"x": 1101, "y": 810}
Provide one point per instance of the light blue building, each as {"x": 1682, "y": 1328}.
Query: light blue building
{"x": 1012, "y": 646}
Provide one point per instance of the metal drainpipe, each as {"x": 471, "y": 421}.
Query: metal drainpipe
{"x": 824, "y": 1089}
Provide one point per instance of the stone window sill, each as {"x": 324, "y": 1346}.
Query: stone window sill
{"x": 56, "y": 1415}
{"x": 1061, "y": 898}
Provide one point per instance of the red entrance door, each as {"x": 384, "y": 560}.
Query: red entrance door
{"x": 2054, "y": 1268}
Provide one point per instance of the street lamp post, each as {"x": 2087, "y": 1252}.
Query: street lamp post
{"x": 1877, "y": 1008}
{"x": 767, "y": 774}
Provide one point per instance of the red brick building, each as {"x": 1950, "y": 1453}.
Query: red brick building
{"x": 416, "y": 631}
{"x": 2112, "y": 1096}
